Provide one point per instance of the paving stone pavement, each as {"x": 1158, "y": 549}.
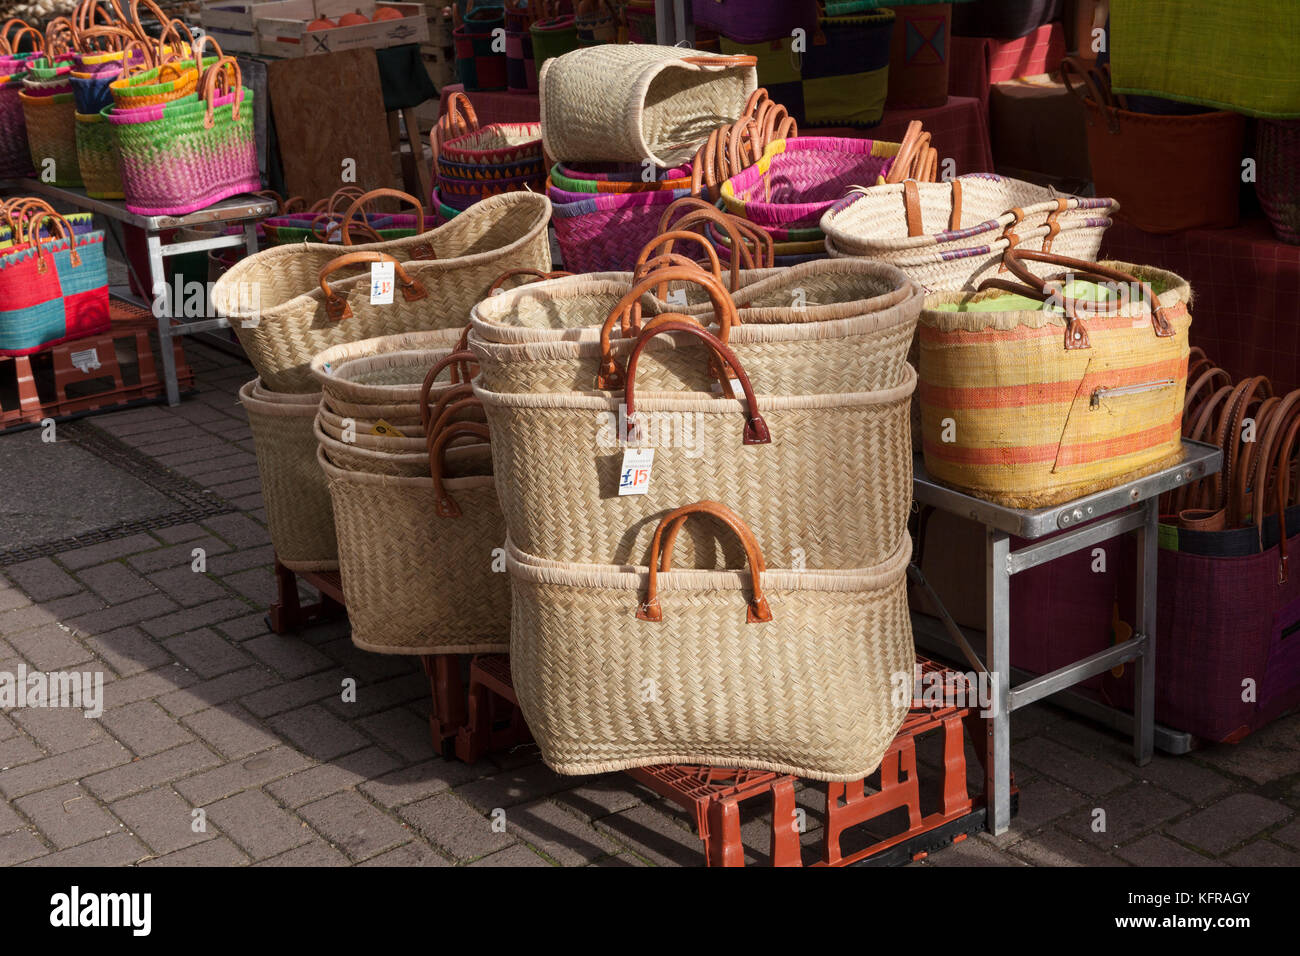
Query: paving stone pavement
{"x": 222, "y": 744}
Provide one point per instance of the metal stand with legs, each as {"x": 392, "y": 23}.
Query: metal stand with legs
{"x": 1131, "y": 507}
{"x": 243, "y": 211}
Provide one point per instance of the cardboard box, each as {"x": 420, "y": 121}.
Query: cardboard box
{"x": 233, "y": 23}
{"x": 284, "y": 33}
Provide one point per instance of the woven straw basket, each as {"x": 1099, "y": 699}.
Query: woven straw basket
{"x": 277, "y": 303}
{"x": 622, "y": 103}
{"x": 97, "y": 157}
{"x": 415, "y": 582}
{"x": 827, "y": 326}
{"x": 366, "y": 433}
{"x": 800, "y": 683}
{"x": 952, "y": 235}
{"x": 297, "y": 500}
{"x": 1033, "y": 423}
{"x": 52, "y": 135}
{"x": 558, "y": 458}
{"x": 353, "y": 456}
{"x": 388, "y": 370}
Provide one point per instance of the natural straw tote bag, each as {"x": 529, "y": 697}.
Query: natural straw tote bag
{"x": 52, "y": 136}
{"x": 558, "y": 457}
{"x": 1031, "y": 404}
{"x": 792, "y": 671}
{"x": 636, "y": 103}
{"x": 416, "y": 580}
{"x": 290, "y": 302}
{"x": 952, "y": 235}
{"x": 829, "y": 326}
{"x": 298, "y": 509}
{"x": 374, "y": 461}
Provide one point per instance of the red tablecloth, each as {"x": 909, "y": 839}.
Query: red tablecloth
{"x": 959, "y": 128}
{"x": 975, "y": 63}
{"x": 1246, "y": 293}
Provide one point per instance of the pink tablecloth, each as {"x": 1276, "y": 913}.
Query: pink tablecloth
{"x": 976, "y": 63}
{"x": 1245, "y": 286}
{"x": 959, "y": 128}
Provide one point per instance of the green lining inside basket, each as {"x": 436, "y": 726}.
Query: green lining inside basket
{"x": 1010, "y": 302}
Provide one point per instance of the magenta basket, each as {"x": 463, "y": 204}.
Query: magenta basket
{"x": 604, "y": 232}
{"x": 752, "y": 21}
{"x": 796, "y": 180}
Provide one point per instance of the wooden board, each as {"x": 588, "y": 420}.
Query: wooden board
{"x": 327, "y": 109}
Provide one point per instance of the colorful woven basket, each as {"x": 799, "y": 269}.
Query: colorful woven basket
{"x": 15, "y": 158}
{"x": 181, "y": 156}
{"x": 98, "y": 157}
{"x": 797, "y": 180}
{"x": 1031, "y": 406}
{"x": 1278, "y": 183}
{"x": 604, "y": 232}
{"x": 52, "y": 137}
{"x": 615, "y": 178}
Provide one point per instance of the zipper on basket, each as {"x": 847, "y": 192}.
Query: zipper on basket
{"x": 1100, "y": 393}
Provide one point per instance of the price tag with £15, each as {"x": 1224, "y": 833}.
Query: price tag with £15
{"x": 634, "y": 477}
{"x": 381, "y": 283}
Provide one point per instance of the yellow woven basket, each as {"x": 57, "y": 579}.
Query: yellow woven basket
{"x": 1009, "y": 413}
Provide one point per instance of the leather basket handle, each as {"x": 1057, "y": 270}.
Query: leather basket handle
{"x": 463, "y": 368}
{"x": 364, "y": 198}
{"x": 661, "y": 559}
{"x": 444, "y": 505}
{"x": 336, "y": 306}
{"x": 755, "y": 432}
{"x": 627, "y": 314}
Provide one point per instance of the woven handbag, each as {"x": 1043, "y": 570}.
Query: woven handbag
{"x": 616, "y": 178}
{"x": 553, "y": 35}
{"x": 51, "y": 126}
{"x": 619, "y": 667}
{"x": 388, "y": 371}
{"x": 1278, "y": 184}
{"x": 595, "y": 22}
{"x": 635, "y": 103}
{"x": 53, "y": 285}
{"x": 797, "y": 180}
{"x": 417, "y": 554}
{"x": 289, "y": 302}
{"x": 181, "y": 156}
{"x": 479, "y": 65}
{"x": 919, "y": 53}
{"x": 558, "y": 457}
{"x": 753, "y": 21}
{"x": 604, "y": 232}
{"x": 1032, "y": 405}
{"x": 97, "y": 157}
{"x": 840, "y": 79}
{"x": 840, "y": 325}
{"x": 1143, "y": 160}
{"x": 521, "y": 68}
{"x": 15, "y": 156}
{"x": 954, "y": 234}
{"x": 298, "y": 510}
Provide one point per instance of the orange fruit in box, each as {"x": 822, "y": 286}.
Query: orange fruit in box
{"x": 387, "y": 13}
{"x": 353, "y": 19}
{"x": 324, "y": 23}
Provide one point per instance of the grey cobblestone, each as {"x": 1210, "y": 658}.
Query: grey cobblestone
{"x": 150, "y": 771}
{"x": 354, "y": 825}
{"x": 257, "y": 825}
{"x": 232, "y": 778}
{"x": 162, "y": 820}
{"x": 67, "y": 815}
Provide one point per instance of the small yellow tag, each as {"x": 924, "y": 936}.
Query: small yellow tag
{"x": 388, "y": 431}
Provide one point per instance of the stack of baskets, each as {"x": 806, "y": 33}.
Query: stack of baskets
{"x": 340, "y": 375}
{"x": 474, "y": 163}
{"x": 631, "y": 642}
{"x": 391, "y": 447}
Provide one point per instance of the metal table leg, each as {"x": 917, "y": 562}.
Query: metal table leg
{"x": 1144, "y": 675}
{"x": 997, "y": 635}
{"x": 162, "y": 309}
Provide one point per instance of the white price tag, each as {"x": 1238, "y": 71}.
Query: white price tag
{"x": 634, "y": 478}
{"x": 85, "y": 361}
{"x": 736, "y": 390}
{"x": 381, "y": 283}
{"x": 677, "y": 297}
